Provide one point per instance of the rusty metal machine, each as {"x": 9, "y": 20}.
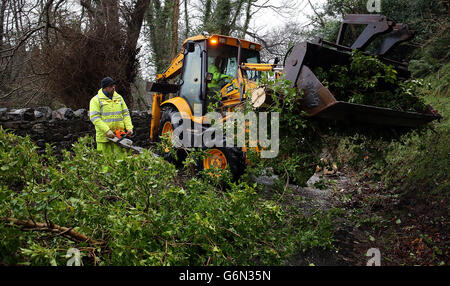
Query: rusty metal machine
{"x": 319, "y": 101}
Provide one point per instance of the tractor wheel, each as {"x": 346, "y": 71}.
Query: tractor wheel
{"x": 225, "y": 157}
{"x": 170, "y": 120}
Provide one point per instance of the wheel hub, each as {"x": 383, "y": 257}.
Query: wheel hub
{"x": 215, "y": 159}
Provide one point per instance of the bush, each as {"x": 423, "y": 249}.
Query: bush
{"x": 416, "y": 162}
{"x": 136, "y": 212}
{"x": 299, "y": 141}
{"x": 369, "y": 81}
{"x": 419, "y": 163}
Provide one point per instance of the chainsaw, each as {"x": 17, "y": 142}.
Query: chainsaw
{"x": 123, "y": 139}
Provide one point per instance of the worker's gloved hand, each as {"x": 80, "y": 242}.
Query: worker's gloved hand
{"x": 110, "y": 134}
{"x": 130, "y": 132}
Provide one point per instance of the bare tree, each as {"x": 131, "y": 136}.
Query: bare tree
{"x": 175, "y": 17}
{"x": 276, "y": 42}
{"x": 186, "y": 19}
{"x": 23, "y": 25}
{"x": 55, "y": 51}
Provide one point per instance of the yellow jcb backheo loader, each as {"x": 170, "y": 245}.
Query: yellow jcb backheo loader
{"x": 239, "y": 59}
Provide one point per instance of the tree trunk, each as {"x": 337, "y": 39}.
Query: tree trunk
{"x": 248, "y": 15}
{"x": 134, "y": 26}
{"x": 206, "y": 14}
{"x": 186, "y": 19}
{"x": 175, "y": 17}
{"x": 222, "y": 16}
{"x": 159, "y": 20}
{"x": 2, "y": 21}
{"x": 54, "y": 228}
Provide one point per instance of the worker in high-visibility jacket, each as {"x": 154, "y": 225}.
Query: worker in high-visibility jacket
{"x": 218, "y": 79}
{"x": 108, "y": 112}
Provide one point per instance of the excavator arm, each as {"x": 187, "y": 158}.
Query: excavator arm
{"x": 173, "y": 70}
{"x": 162, "y": 86}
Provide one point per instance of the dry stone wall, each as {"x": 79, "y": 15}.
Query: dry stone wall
{"x": 64, "y": 126}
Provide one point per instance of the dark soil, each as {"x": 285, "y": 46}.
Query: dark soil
{"x": 406, "y": 230}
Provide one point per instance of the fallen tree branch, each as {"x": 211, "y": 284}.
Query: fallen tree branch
{"x": 285, "y": 186}
{"x": 28, "y": 225}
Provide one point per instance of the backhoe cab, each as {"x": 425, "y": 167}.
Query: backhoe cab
{"x": 207, "y": 64}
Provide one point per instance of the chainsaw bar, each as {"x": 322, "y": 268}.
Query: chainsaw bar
{"x": 128, "y": 144}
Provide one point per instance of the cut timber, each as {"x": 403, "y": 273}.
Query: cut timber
{"x": 60, "y": 230}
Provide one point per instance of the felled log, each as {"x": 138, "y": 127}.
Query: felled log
{"x": 28, "y": 225}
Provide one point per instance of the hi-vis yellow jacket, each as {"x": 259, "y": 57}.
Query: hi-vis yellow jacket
{"x": 109, "y": 114}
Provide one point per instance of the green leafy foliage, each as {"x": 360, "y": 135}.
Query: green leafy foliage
{"x": 369, "y": 81}
{"x": 419, "y": 164}
{"x": 137, "y": 212}
{"x": 299, "y": 143}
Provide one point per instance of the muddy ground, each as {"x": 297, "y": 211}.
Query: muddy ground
{"x": 405, "y": 231}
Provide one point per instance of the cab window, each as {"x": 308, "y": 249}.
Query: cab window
{"x": 224, "y": 58}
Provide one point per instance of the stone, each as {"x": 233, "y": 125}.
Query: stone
{"x": 52, "y": 124}
{"x": 314, "y": 179}
{"x": 25, "y": 126}
{"x": 57, "y": 137}
{"x": 56, "y": 115}
{"x": 66, "y": 113}
{"x": 38, "y": 114}
{"x": 65, "y": 124}
{"x": 38, "y": 128}
{"x": 4, "y": 114}
{"x": 41, "y": 143}
{"x": 46, "y": 111}
{"x": 135, "y": 113}
{"x": 15, "y": 114}
{"x": 11, "y": 125}
{"x": 68, "y": 137}
{"x": 80, "y": 113}
{"x": 28, "y": 114}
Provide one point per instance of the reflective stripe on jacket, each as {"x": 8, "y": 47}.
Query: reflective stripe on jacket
{"x": 108, "y": 114}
